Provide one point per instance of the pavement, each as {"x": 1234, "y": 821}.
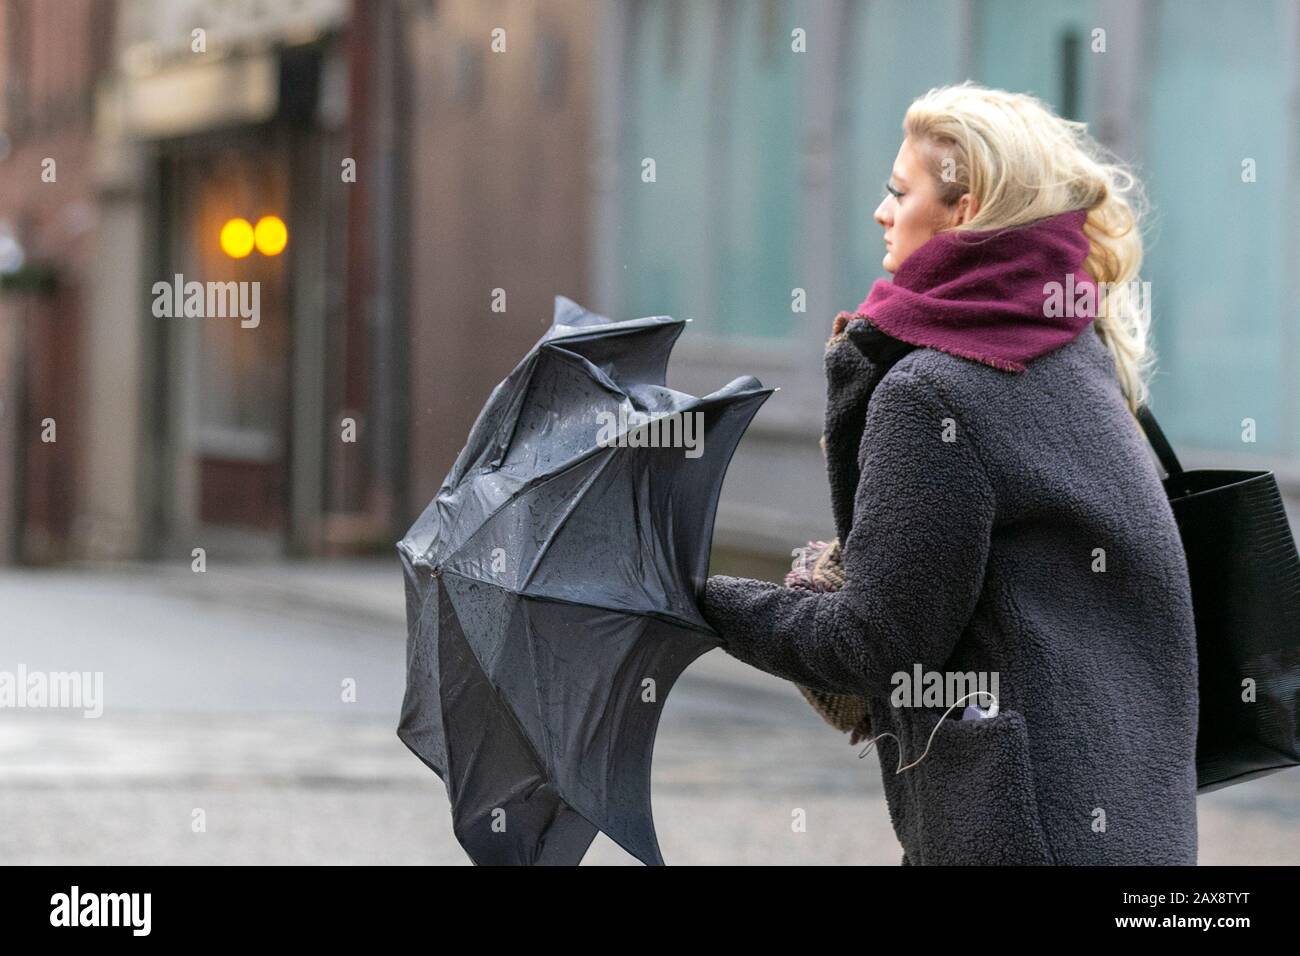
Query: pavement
{"x": 226, "y": 737}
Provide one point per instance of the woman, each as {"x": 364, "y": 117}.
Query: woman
{"x": 1000, "y": 515}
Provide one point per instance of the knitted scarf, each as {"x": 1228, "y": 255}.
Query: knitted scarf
{"x": 998, "y": 296}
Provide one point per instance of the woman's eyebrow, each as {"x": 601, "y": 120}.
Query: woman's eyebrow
{"x": 898, "y": 178}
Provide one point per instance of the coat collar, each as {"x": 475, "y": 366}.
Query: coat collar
{"x": 876, "y": 344}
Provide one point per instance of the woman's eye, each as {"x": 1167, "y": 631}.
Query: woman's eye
{"x": 892, "y": 191}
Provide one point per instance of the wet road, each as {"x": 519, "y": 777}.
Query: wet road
{"x": 224, "y": 705}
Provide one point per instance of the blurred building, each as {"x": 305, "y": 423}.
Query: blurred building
{"x": 49, "y": 68}
{"x": 502, "y": 115}
{"x": 444, "y": 168}
{"x": 214, "y": 432}
{"x": 413, "y": 173}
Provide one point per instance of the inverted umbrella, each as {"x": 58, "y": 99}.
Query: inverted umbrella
{"x": 551, "y": 589}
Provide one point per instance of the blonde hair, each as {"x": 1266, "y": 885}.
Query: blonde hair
{"x": 1023, "y": 162}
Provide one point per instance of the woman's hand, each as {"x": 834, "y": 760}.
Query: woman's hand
{"x": 861, "y": 732}
{"x": 842, "y": 319}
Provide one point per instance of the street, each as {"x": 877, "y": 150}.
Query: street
{"x": 226, "y": 738}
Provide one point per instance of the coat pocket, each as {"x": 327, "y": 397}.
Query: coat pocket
{"x": 974, "y": 793}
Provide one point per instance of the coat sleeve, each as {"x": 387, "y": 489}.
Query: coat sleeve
{"x": 914, "y": 560}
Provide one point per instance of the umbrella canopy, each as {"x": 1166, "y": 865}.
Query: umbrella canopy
{"x": 551, "y": 589}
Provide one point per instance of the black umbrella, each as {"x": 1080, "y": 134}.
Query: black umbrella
{"x": 551, "y": 589}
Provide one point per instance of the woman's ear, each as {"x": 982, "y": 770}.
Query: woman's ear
{"x": 965, "y": 210}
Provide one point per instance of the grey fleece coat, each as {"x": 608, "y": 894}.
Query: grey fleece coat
{"x": 999, "y": 522}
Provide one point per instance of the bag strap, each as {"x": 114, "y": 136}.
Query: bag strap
{"x": 1164, "y": 451}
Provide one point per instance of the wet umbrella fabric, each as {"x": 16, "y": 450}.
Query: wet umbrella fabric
{"x": 551, "y": 590}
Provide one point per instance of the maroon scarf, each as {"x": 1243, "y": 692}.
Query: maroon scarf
{"x": 980, "y": 294}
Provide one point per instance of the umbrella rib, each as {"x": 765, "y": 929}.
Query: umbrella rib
{"x": 502, "y": 438}
{"x": 544, "y": 763}
{"x": 528, "y": 486}
{"x": 531, "y": 485}
{"x": 631, "y": 612}
{"x": 536, "y": 482}
{"x": 429, "y": 595}
{"x": 572, "y": 506}
{"x": 564, "y": 355}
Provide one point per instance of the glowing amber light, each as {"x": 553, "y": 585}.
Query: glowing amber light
{"x": 271, "y": 235}
{"x": 237, "y": 238}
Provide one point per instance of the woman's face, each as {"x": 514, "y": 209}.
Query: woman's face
{"x": 911, "y": 211}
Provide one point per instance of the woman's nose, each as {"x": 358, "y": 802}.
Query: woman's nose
{"x": 883, "y": 213}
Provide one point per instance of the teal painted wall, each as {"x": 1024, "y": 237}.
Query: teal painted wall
{"x": 1018, "y": 45}
{"x": 715, "y": 238}
{"x": 664, "y": 225}
{"x": 1216, "y": 250}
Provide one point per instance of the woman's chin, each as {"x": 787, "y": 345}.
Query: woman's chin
{"x": 888, "y": 263}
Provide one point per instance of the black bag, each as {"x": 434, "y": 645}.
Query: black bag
{"x": 1245, "y": 577}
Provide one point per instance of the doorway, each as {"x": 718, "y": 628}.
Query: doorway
{"x": 227, "y": 376}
